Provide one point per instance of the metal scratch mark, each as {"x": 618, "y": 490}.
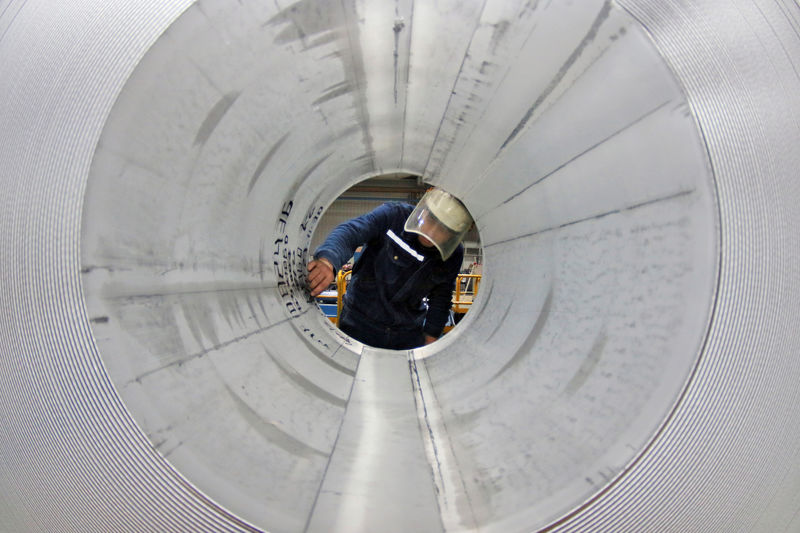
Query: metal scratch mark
{"x": 264, "y": 162}
{"x": 593, "y": 217}
{"x": 431, "y": 175}
{"x": 422, "y": 405}
{"x": 573, "y": 57}
{"x": 315, "y": 350}
{"x": 202, "y": 353}
{"x": 530, "y": 340}
{"x": 214, "y": 117}
{"x": 588, "y": 365}
{"x": 272, "y": 433}
{"x": 334, "y": 91}
{"x": 399, "y": 24}
{"x": 449, "y": 484}
{"x": 589, "y": 149}
{"x": 304, "y": 383}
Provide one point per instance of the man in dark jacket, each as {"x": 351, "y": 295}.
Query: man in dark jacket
{"x": 411, "y": 254}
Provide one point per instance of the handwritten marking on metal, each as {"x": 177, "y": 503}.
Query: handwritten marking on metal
{"x": 290, "y": 260}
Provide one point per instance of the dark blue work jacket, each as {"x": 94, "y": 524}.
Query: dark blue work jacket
{"x": 383, "y": 306}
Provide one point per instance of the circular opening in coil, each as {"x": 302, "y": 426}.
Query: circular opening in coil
{"x": 414, "y": 262}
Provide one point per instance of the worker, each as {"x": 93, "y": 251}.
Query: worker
{"x": 400, "y": 290}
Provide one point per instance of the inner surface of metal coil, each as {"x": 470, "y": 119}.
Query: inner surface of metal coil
{"x": 565, "y": 133}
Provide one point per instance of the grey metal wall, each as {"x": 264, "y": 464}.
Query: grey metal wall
{"x": 631, "y": 362}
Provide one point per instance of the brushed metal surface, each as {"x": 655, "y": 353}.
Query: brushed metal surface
{"x": 630, "y": 363}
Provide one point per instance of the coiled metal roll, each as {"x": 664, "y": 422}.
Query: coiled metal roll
{"x": 630, "y": 363}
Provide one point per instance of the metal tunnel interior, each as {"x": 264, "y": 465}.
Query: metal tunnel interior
{"x": 630, "y": 363}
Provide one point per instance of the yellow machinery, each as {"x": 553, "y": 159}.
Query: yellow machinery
{"x": 342, "y": 279}
{"x": 466, "y": 290}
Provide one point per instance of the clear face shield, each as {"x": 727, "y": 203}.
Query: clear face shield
{"x": 441, "y": 219}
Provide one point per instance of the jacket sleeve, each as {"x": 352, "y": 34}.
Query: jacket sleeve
{"x": 342, "y": 242}
{"x": 440, "y": 299}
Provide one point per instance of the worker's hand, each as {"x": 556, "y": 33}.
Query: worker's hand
{"x": 429, "y": 339}
{"x": 320, "y": 275}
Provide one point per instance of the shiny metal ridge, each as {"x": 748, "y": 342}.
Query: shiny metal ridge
{"x": 629, "y": 365}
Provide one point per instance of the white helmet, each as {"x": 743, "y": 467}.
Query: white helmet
{"x": 442, "y": 219}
